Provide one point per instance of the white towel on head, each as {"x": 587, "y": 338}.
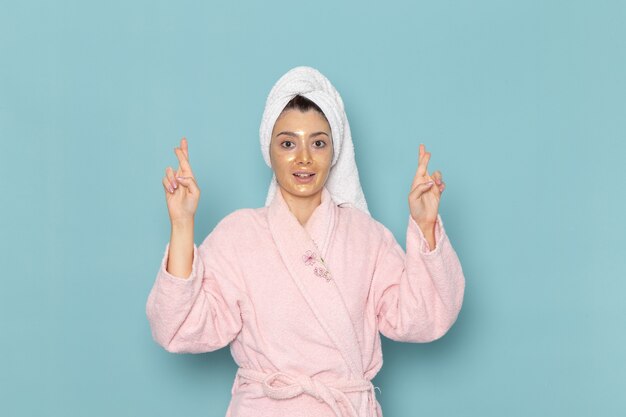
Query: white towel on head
{"x": 343, "y": 179}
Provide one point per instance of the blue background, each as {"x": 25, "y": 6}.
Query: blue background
{"x": 522, "y": 104}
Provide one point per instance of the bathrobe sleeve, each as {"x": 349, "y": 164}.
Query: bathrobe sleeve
{"x": 418, "y": 293}
{"x": 200, "y": 313}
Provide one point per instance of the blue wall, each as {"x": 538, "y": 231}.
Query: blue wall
{"x": 522, "y": 105}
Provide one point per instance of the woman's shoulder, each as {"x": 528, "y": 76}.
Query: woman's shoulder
{"x": 235, "y": 226}
{"x": 242, "y": 219}
{"x": 359, "y": 220}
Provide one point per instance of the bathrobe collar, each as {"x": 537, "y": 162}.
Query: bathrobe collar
{"x": 304, "y": 251}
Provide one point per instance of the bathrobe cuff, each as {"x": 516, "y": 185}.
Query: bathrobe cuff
{"x": 440, "y": 234}
{"x": 196, "y": 266}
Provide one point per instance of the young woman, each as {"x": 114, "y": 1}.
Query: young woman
{"x": 302, "y": 288}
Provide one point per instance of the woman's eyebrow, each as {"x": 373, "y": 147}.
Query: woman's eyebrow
{"x": 293, "y": 134}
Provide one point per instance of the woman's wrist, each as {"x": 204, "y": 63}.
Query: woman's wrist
{"x": 183, "y": 224}
{"x": 428, "y": 230}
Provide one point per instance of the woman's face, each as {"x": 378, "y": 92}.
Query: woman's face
{"x": 301, "y": 142}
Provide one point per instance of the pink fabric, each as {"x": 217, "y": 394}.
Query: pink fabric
{"x": 258, "y": 284}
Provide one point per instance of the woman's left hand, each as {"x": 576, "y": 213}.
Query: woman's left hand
{"x": 425, "y": 193}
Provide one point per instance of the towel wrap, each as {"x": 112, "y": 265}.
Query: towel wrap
{"x": 292, "y": 386}
{"x": 343, "y": 178}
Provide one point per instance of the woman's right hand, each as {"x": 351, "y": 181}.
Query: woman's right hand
{"x": 181, "y": 190}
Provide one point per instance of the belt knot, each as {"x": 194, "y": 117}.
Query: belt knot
{"x": 281, "y": 386}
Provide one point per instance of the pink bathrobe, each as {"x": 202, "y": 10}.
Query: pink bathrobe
{"x": 302, "y": 306}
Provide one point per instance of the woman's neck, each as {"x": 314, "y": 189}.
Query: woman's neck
{"x": 302, "y": 207}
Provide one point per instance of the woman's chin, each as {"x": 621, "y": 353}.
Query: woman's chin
{"x": 304, "y": 190}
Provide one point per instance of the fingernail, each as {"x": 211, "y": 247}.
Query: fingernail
{"x": 429, "y": 183}
{"x": 174, "y": 184}
{"x": 170, "y": 188}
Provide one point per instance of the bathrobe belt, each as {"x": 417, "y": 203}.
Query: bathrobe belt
{"x": 292, "y": 386}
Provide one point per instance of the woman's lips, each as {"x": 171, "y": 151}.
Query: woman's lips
{"x": 304, "y": 180}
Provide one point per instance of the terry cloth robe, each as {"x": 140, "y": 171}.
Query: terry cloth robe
{"x": 303, "y": 307}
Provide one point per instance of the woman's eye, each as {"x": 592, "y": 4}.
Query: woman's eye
{"x": 287, "y": 141}
{"x": 321, "y": 143}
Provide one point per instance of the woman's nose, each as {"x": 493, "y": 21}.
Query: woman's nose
{"x": 304, "y": 157}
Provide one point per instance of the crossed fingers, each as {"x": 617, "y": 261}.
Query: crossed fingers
{"x": 422, "y": 176}
{"x": 184, "y": 168}
{"x": 182, "y": 153}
